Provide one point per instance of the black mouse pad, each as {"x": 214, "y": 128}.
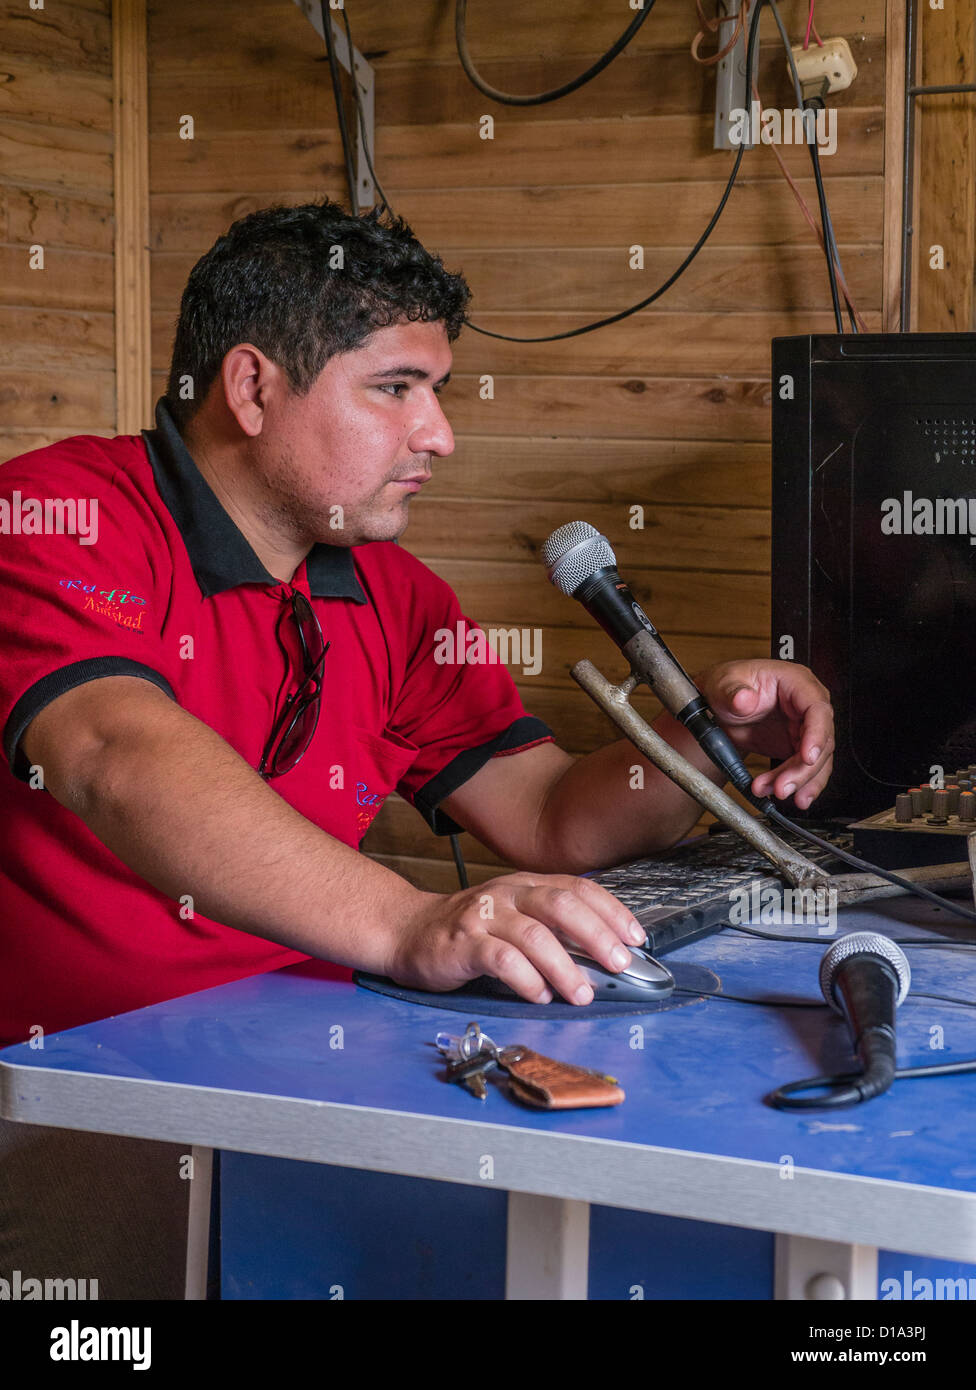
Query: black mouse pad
{"x": 691, "y": 984}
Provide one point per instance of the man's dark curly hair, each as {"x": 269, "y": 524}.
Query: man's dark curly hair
{"x": 302, "y": 284}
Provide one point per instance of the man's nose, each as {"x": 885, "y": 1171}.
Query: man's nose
{"x": 432, "y": 433}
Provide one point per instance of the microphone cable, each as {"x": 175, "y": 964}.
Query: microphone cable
{"x": 941, "y": 944}
{"x": 807, "y": 1003}
{"x": 580, "y": 562}
{"x": 773, "y": 813}
{"x": 842, "y": 1088}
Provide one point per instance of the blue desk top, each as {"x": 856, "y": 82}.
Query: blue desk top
{"x": 694, "y": 1087}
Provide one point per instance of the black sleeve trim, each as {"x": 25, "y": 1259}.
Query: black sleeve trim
{"x": 525, "y": 730}
{"x": 59, "y": 682}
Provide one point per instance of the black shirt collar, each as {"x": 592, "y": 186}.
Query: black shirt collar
{"x": 220, "y": 555}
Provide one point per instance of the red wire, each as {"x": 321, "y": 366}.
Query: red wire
{"x": 811, "y": 27}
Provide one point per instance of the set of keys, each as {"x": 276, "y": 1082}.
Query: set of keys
{"x": 471, "y": 1057}
{"x": 533, "y": 1079}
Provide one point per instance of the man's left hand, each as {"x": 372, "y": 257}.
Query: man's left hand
{"x": 780, "y": 710}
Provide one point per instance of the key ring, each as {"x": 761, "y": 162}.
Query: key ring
{"x": 471, "y": 1045}
{"x": 477, "y": 1041}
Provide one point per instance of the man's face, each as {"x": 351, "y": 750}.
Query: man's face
{"x": 362, "y": 439}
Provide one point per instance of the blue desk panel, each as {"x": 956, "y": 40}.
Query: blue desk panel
{"x": 310, "y": 1230}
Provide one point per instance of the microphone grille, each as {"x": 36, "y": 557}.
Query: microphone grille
{"x": 574, "y": 552}
{"x": 860, "y": 943}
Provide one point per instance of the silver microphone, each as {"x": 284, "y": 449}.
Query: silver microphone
{"x": 580, "y": 561}
{"x": 864, "y": 976}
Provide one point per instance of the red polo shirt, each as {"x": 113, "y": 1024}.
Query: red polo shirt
{"x": 169, "y": 589}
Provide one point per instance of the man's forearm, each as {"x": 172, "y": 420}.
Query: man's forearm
{"x": 615, "y": 805}
{"x": 182, "y": 809}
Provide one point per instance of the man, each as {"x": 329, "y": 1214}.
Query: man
{"x": 209, "y": 687}
{"x": 147, "y": 675}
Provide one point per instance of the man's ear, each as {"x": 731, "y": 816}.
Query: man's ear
{"x": 247, "y": 378}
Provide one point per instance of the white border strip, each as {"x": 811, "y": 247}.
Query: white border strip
{"x": 908, "y": 1217}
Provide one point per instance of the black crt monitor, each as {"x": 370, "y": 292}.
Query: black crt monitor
{"x": 873, "y": 553}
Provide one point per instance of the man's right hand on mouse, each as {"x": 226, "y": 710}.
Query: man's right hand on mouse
{"x": 514, "y": 929}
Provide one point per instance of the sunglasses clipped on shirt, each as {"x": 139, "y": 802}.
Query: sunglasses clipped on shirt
{"x": 295, "y": 726}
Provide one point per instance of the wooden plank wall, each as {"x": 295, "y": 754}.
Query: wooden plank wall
{"x": 668, "y": 410}
{"x": 57, "y": 348}
{"x": 944, "y": 298}
{"x": 133, "y": 334}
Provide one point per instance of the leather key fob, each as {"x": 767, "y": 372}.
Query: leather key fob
{"x": 546, "y": 1084}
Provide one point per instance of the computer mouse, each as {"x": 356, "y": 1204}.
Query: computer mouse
{"x": 643, "y": 979}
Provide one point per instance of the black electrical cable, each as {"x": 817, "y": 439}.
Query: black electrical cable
{"x": 662, "y": 289}
{"x": 844, "y": 1089}
{"x": 462, "y": 872}
{"x": 830, "y": 245}
{"x": 773, "y": 813}
{"x": 340, "y": 110}
{"x": 943, "y": 944}
{"x": 384, "y": 201}
{"x": 539, "y": 98}
{"x": 828, "y": 235}
{"x": 769, "y": 1003}
{"x": 937, "y": 1068}
{"x": 834, "y": 251}
{"x": 742, "y": 999}
{"x": 833, "y": 241}
{"x": 635, "y": 308}
{"x": 943, "y": 998}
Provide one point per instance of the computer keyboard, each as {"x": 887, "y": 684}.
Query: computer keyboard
{"x": 685, "y": 893}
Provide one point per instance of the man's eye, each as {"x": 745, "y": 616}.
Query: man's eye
{"x": 395, "y": 387}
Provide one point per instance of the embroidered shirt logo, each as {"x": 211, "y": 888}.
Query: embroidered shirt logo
{"x": 370, "y": 802}
{"x": 109, "y": 603}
